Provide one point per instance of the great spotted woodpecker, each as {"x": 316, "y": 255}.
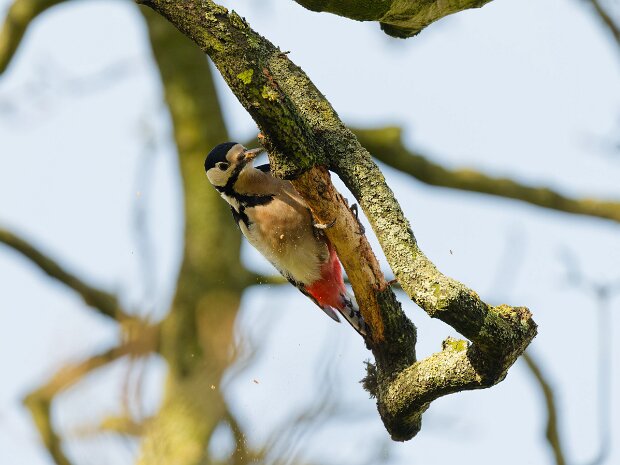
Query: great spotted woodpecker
{"x": 277, "y": 222}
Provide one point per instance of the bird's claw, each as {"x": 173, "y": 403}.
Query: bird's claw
{"x": 354, "y": 209}
{"x": 324, "y": 226}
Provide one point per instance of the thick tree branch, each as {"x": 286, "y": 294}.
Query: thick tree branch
{"x": 357, "y": 257}
{"x": 105, "y": 303}
{"x": 302, "y": 132}
{"x": 398, "y": 18}
{"x": 500, "y": 332}
{"x": 18, "y": 18}
{"x": 385, "y": 144}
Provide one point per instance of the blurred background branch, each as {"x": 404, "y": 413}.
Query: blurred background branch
{"x": 106, "y": 303}
{"x": 551, "y": 432}
{"x": 606, "y": 15}
{"x": 398, "y": 18}
{"x": 602, "y": 291}
{"x": 386, "y": 145}
{"x": 17, "y": 19}
{"x": 39, "y": 401}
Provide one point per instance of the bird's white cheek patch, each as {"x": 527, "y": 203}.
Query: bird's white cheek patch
{"x": 217, "y": 177}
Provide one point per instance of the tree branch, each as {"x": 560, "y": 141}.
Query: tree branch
{"x": 298, "y": 121}
{"x": 243, "y": 453}
{"x": 385, "y": 144}
{"x": 607, "y": 20}
{"x": 552, "y": 435}
{"x": 107, "y": 304}
{"x": 18, "y": 18}
{"x": 124, "y": 424}
{"x": 370, "y": 287}
{"x": 39, "y": 402}
{"x": 398, "y": 18}
{"x": 499, "y": 334}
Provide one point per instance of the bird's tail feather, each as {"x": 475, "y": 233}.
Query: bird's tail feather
{"x": 330, "y": 312}
{"x": 352, "y": 314}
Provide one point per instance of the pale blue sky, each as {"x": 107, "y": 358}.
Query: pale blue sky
{"x": 521, "y": 88}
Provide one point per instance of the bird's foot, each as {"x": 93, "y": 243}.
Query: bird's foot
{"x": 322, "y": 226}
{"x": 354, "y": 209}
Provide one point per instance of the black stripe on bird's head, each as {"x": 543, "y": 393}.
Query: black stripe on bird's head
{"x": 225, "y": 163}
{"x": 218, "y": 154}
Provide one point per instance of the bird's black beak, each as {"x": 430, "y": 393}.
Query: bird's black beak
{"x": 251, "y": 154}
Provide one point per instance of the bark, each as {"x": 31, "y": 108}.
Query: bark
{"x": 398, "y": 18}
{"x": 302, "y": 132}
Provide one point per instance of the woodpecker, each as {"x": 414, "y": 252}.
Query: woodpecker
{"x": 278, "y": 223}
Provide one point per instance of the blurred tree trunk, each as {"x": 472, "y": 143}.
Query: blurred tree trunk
{"x": 197, "y": 334}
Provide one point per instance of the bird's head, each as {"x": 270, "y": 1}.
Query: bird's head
{"x": 225, "y": 163}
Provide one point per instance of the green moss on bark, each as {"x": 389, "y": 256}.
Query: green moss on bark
{"x": 398, "y": 18}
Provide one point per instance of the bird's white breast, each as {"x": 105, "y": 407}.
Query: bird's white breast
{"x": 276, "y": 221}
{"x": 285, "y": 236}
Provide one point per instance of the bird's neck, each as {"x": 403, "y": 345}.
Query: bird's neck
{"x": 251, "y": 188}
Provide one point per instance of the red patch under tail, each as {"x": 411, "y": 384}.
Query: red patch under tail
{"x": 329, "y": 290}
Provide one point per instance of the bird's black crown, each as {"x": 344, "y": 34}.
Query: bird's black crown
{"x": 218, "y": 154}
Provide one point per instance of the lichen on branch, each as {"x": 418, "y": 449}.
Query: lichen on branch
{"x": 398, "y": 18}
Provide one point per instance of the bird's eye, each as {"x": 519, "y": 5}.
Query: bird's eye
{"x": 222, "y": 165}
